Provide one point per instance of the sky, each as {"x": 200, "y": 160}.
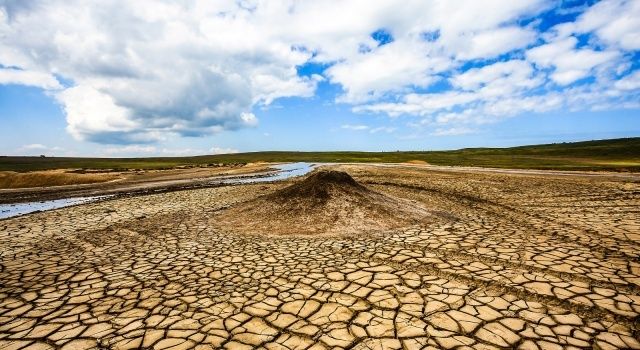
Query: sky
{"x": 119, "y": 78}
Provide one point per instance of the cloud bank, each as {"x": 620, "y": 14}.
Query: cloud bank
{"x": 136, "y": 72}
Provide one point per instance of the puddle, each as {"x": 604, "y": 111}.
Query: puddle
{"x": 285, "y": 171}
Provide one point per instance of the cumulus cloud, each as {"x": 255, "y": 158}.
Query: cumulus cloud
{"x": 629, "y": 82}
{"x": 490, "y": 43}
{"x": 614, "y": 22}
{"x": 29, "y": 78}
{"x": 148, "y": 70}
{"x": 390, "y": 68}
{"x": 559, "y": 71}
{"x": 498, "y": 79}
{"x": 569, "y": 63}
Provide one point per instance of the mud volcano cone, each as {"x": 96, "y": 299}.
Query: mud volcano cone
{"x": 319, "y": 188}
{"x": 326, "y": 202}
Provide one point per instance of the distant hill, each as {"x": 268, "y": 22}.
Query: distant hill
{"x": 614, "y": 154}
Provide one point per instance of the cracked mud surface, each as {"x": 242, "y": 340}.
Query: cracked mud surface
{"x": 512, "y": 261}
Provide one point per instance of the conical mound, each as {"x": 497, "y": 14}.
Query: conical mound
{"x": 326, "y": 202}
{"x": 320, "y": 186}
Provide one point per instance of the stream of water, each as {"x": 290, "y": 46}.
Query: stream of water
{"x": 285, "y": 171}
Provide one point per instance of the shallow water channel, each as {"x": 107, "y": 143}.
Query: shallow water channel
{"x": 285, "y": 171}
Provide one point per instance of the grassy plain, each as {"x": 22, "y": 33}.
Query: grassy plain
{"x": 614, "y": 154}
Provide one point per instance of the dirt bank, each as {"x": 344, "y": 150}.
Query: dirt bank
{"x": 96, "y": 183}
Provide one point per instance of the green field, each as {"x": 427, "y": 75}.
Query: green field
{"x": 615, "y": 154}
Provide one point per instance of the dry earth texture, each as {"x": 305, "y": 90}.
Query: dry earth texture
{"x": 502, "y": 260}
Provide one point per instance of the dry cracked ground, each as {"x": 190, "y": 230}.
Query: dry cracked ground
{"x": 509, "y": 261}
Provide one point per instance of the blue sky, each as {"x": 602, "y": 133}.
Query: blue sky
{"x": 164, "y": 78}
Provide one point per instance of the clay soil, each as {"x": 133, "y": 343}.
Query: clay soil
{"x": 499, "y": 260}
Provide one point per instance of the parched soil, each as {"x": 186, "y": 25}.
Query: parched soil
{"x": 504, "y": 261}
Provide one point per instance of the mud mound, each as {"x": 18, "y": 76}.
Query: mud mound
{"x": 326, "y": 202}
{"x": 320, "y": 186}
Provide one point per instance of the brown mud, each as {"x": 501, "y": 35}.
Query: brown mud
{"x": 327, "y": 202}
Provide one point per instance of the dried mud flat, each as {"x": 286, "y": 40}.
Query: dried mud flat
{"x": 506, "y": 261}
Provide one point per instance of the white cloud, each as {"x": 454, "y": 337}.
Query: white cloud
{"x": 385, "y": 129}
{"x": 149, "y": 150}
{"x": 354, "y": 127}
{"x": 410, "y": 62}
{"x": 570, "y": 64}
{"x": 378, "y": 129}
{"x": 35, "y": 146}
{"x": 629, "y": 82}
{"x": 421, "y": 104}
{"x": 507, "y": 88}
{"x": 455, "y": 131}
{"x": 38, "y": 149}
{"x": 514, "y": 105}
{"x": 222, "y": 150}
{"x": 614, "y": 22}
{"x": 499, "y": 79}
{"x": 490, "y": 43}
{"x": 130, "y": 150}
{"x": 150, "y": 70}
{"x": 368, "y": 76}
{"x": 270, "y": 87}
{"x": 93, "y": 114}
{"x": 31, "y": 78}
